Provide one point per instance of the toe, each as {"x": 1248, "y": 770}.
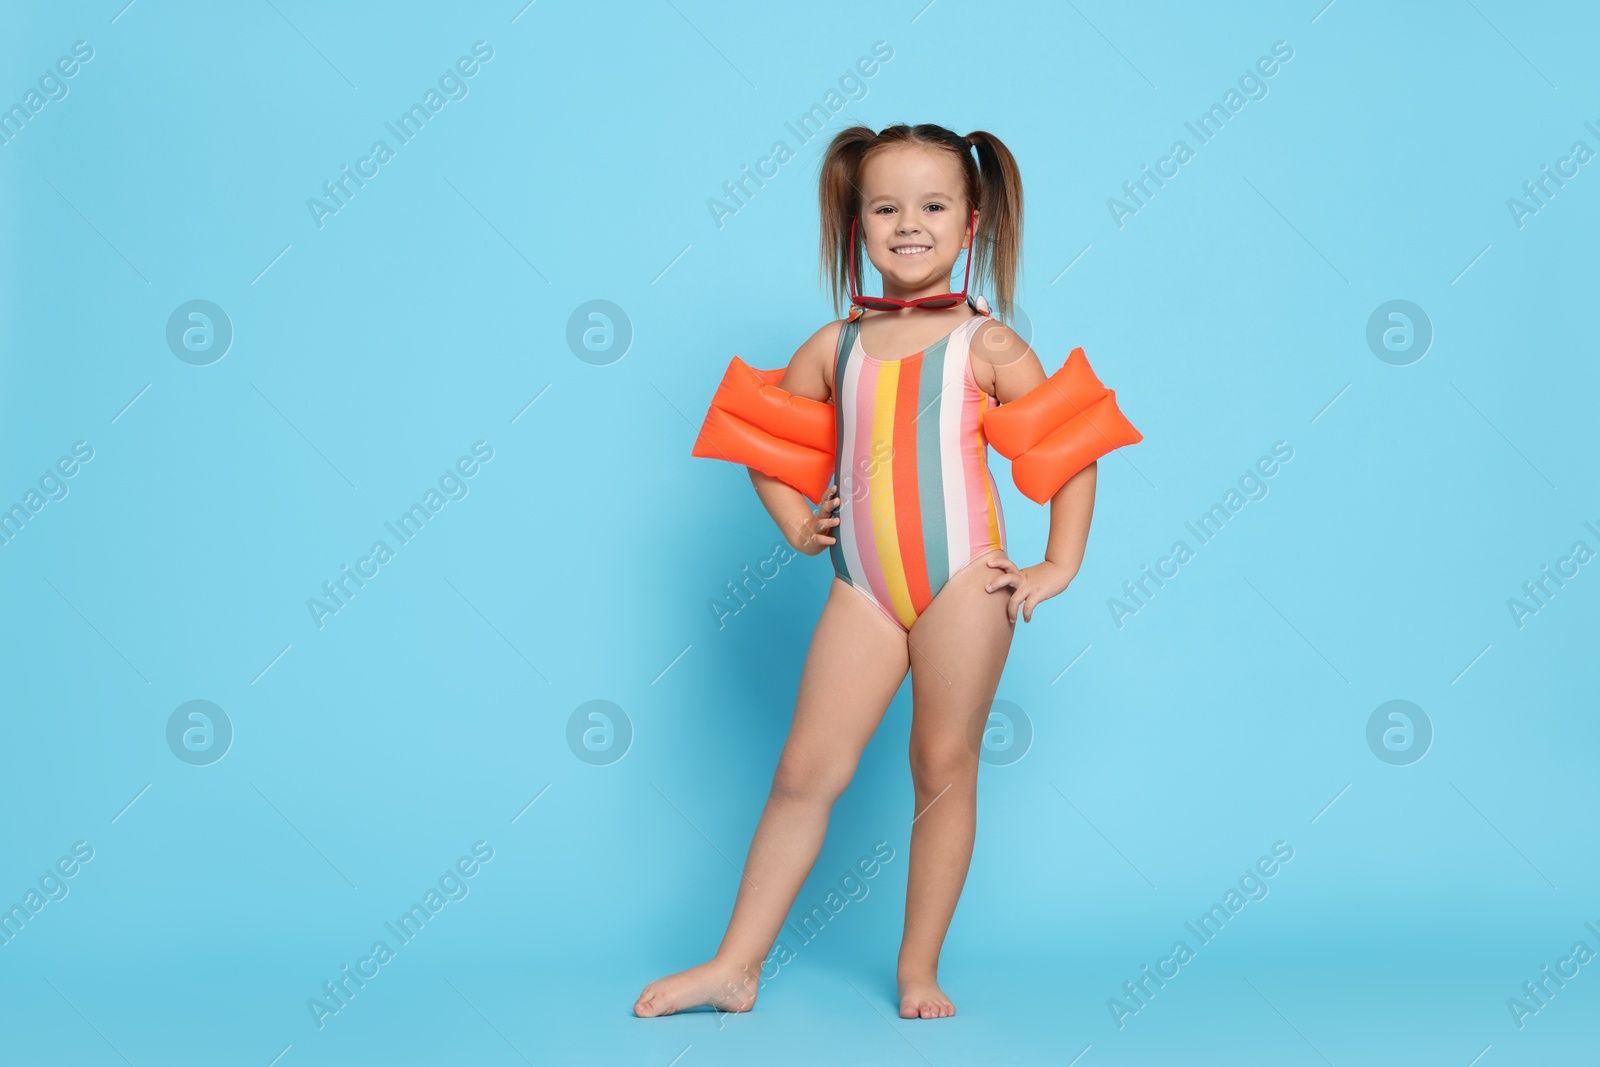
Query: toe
{"x": 650, "y": 1003}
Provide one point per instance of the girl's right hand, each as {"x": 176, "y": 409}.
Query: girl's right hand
{"x": 815, "y": 532}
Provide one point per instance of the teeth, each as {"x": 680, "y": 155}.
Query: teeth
{"x": 911, "y": 250}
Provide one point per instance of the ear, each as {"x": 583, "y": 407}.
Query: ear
{"x": 972, "y": 229}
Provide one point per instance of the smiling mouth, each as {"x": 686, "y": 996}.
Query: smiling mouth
{"x": 911, "y": 250}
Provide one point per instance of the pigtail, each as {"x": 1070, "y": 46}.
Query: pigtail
{"x": 839, "y": 199}
{"x": 998, "y": 243}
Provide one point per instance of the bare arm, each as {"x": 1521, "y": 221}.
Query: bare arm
{"x": 1071, "y": 510}
{"x": 1015, "y": 371}
{"x": 805, "y": 530}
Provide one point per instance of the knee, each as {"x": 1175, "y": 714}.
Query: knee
{"x": 936, "y": 765}
{"x": 810, "y": 781}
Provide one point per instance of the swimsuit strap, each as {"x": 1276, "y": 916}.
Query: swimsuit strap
{"x": 847, "y": 340}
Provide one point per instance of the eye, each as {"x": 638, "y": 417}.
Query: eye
{"x": 940, "y": 207}
{"x": 881, "y": 210}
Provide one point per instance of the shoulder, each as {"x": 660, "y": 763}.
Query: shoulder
{"x": 810, "y": 371}
{"x": 995, "y": 343}
{"x": 826, "y": 340}
{"x": 1003, "y": 364}
{"x": 820, "y": 348}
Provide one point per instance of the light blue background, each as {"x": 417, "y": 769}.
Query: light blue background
{"x": 1230, "y": 713}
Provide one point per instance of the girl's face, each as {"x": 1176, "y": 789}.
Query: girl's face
{"x": 914, "y": 219}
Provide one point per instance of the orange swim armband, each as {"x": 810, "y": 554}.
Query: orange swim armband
{"x": 754, "y": 422}
{"x": 1062, "y": 425}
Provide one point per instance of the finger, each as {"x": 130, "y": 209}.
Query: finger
{"x": 1001, "y": 582}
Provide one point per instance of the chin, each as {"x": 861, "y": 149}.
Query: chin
{"x": 909, "y": 280}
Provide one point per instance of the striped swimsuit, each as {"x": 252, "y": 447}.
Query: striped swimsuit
{"x": 917, "y": 501}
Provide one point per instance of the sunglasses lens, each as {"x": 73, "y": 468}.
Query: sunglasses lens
{"x": 938, "y": 302}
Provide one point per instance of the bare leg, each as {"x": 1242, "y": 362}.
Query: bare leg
{"x": 856, "y": 661}
{"x": 958, "y": 649}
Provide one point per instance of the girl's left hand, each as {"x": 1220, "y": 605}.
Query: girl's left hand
{"x": 1030, "y": 585}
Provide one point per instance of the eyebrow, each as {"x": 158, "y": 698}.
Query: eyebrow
{"x": 924, "y": 196}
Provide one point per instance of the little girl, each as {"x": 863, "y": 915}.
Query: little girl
{"x": 910, "y": 518}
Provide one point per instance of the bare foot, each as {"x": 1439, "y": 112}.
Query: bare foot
{"x": 921, "y": 998}
{"x": 721, "y": 984}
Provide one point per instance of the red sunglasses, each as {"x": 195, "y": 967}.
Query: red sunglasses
{"x": 883, "y": 303}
